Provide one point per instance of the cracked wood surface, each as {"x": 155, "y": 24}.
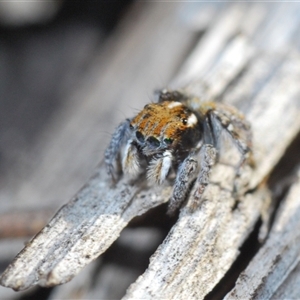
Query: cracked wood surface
{"x": 202, "y": 245}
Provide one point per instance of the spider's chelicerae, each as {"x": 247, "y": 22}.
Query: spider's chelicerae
{"x": 179, "y": 133}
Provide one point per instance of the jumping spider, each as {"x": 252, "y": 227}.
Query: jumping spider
{"x": 178, "y": 133}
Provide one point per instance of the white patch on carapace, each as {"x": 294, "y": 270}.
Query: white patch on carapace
{"x": 192, "y": 120}
{"x": 174, "y": 104}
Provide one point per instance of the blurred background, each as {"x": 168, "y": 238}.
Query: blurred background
{"x": 46, "y": 50}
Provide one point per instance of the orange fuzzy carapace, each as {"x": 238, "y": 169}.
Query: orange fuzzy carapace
{"x": 168, "y": 118}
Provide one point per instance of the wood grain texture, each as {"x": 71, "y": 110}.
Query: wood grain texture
{"x": 273, "y": 272}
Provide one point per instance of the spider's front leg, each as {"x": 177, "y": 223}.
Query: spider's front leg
{"x": 186, "y": 174}
{"x": 208, "y": 154}
{"x": 113, "y": 150}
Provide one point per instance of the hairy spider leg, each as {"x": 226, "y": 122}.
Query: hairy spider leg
{"x": 185, "y": 175}
{"x": 232, "y": 125}
{"x": 113, "y": 150}
{"x": 208, "y": 155}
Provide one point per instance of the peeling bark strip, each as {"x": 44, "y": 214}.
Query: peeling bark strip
{"x": 202, "y": 245}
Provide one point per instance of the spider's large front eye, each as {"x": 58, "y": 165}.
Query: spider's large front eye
{"x": 168, "y": 141}
{"x": 140, "y": 137}
{"x": 154, "y": 142}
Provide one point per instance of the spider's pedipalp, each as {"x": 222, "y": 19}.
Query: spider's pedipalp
{"x": 130, "y": 163}
{"x": 113, "y": 150}
{"x": 159, "y": 168}
{"x": 186, "y": 174}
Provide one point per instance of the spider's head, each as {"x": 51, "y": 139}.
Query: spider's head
{"x": 161, "y": 134}
{"x": 168, "y": 125}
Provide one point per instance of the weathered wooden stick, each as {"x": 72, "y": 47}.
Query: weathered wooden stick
{"x": 82, "y": 230}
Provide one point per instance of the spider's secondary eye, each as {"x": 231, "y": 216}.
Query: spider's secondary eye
{"x": 168, "y": 141}
{"x": 140, "y": 137}
{"x": 153, "y": 141}
{"x": 184, "y": 121}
